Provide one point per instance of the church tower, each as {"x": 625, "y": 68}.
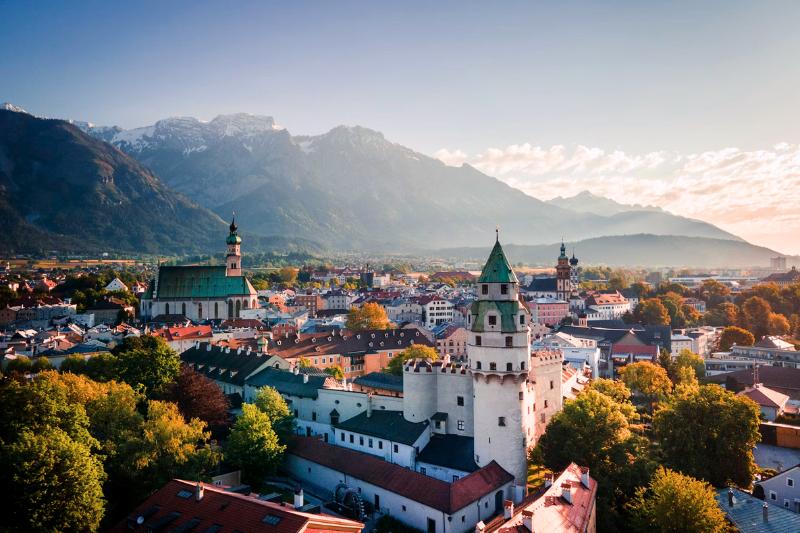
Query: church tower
{"x": 563, "y": 280}
{"x": 498, "y": 348}
{"x": 233, "y": 261}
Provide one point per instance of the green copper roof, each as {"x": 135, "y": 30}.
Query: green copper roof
{"x": 200, "y": 282}
{"x": 233, "y": 239}
{"x": 497, "y": 269}
{"x": 508, "y": 311}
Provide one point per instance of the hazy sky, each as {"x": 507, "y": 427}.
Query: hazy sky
{"x": 694, "y": 106}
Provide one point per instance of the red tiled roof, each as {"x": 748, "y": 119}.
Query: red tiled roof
{"x": 437, "y": 494}
{"x": 765, "y": 396}
{"x": 184, "y": 333}
{"x": 551, "y": 512}
{"x": 231, "y": 511}
{"x": 345, "y": 342}
{"x": 243, "y": 323}
{"x": 635, "y": 349}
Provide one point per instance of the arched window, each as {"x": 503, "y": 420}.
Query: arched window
{"x": 166, "y": 309}
{"x": 199, "y": 309}
{"x": 238, "y": 307}
{"x": 216, "y": 309}
{"x": 183, "y": 308}
{"x": 230, "y": 308}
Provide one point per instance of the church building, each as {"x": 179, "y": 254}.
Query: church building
{"x": 202, "y": 292}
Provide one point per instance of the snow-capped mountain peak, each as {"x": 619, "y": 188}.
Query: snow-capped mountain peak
{"x": 8, "y": 106}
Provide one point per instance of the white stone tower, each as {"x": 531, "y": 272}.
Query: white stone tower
{"x": 499, "y": 356}
{"x": 233, "y": 261}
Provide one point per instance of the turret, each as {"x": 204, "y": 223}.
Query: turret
{"x": 233, "y": 260}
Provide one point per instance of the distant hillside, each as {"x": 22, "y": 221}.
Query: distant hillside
{"x": 62, "y": 190}
{"x": 352, "y": 189}
{"x": 634, "y": 250}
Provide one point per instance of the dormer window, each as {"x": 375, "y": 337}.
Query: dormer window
{"x": 492, "y": 320}
{"x": 504, "y": 288}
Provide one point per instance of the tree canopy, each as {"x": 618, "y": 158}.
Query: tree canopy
{"x": 270, "y": 402}
{"x": 147, "y": 361}
{"x": 199, "y": 397}
{"x": 735, "y": 335}
{"x": 709, "y": 434}
{"x": 253, "y": 445}
{"x": 415, "y": 351}
{"x": 368, "y": 316}
{"x": 648, "y": 379}
{"x": 675, "y": 502}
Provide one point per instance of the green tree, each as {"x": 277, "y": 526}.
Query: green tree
{"x": 40, "y": 364}
{"x": 650, "y": 380}
{"x": 19, "y": 365}
{"x": 368, "y": 316}
{"x": 676, "y": 502}
{"x": 617, "y": 391}
{"x": 336, "y": 371}
{"x": 687, "y": 359}
{"x": 74, "y": 364}
{"x": 734, "y": 335}
{"x": 253, "y": 445}
{"x": 270, "y": 402}
{"x": 50, "y": 483}
{"x": 725, "y": 314}
{"x": 709, "y": 434}
{"x": 415, "y": 351}
{"x": 168, "y": 446}
{"x": 147, "y": 361}
{"x": 102, "y": 367}
{"x": 653, "y": 312}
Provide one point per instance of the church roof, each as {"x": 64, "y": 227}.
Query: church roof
{"x": 197, "y": 281}
{"x": 497, "y": 268}
{"x": 543, "y": 285}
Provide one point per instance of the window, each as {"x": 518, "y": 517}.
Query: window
{"x": 422, "y": 470}
{"x": 478, "y": 365}
{"x": 551, "y": 384}
{"x": 351, "y": 439}
{"x": 492, "y": 366}
{"x": 786, "y": 503}
{"x": 295, "y": 414}
{"x": 397, "y": 449}
{"x": 313, "y": 416}
{"x": 477, "y": 340}
{"x": 503, "y": 289}
{"x": 460, "y": 400}
{"x": 484, "y": 289}
{"x": 790, "y": 482}
{"x": 431, "y": 525}
{"x": 773, "y": 496}
{"x": 361, "y": 441}
{"x": 545, "y": 404}
{"x": 377, "y": 502}
{"x": 509, "y": 342}
{"x": 404, "y": 508}
{"x": 460, "y": 425}
{"x": 509, "y": 367}
{"x": 521, "y": 320}
{"x": 501, "y": 421}
{"x": 380, "y": 444}
{"x": 492, "y": 320}
{"x": 369, "y": 443}
{"x": 342, "y": 435}
{"x": 521, "y": 395}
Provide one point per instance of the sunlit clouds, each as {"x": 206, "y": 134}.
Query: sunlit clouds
{"x": 753, "y": 194}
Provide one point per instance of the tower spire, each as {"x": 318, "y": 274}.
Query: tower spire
{"x": 497, "y": 234}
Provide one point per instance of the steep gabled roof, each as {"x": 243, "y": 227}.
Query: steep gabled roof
{"x": 497, "y": 268}
{"x": 199, "y": 282}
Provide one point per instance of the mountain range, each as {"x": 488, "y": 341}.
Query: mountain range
{"x": 165, "y": 188}
{"x": 351, "y": 188}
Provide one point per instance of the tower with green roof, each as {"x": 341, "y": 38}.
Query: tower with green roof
{"x": 233, "y": 260}
{"x": 498, "y": 348}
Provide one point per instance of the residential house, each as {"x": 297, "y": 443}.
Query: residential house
{"x": 782, "y": 489}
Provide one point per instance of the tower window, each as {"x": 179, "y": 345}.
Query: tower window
{"x": 477, "y": 340}
{"x": 522, "y": 397}
{"x": 492, "y": 320}
{"x": 522, "y": 365}
{"x": 461, "y": 425}
{"x": 503, "y": 289}
{"x": 478, "y": 365}
{"x": 551, "y": 384}
{"x": 460, "y": 400}
{"x": 509, "y": 342}
{"x": 509, "y": 367}
{"x": 521, "y": 320}
{"x": 501, "y": 421}
{"x": 492, "y": 366}
{"x": 484, "y": 289}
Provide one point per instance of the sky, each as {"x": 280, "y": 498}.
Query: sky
{"x": 692, "y": 106}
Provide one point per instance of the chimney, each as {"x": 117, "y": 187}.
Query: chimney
{"x": 730, "y": 497}
{"x": 369, "y": 405}
{"x": 765, "y": 511}
{"x": 585, "y": 476}
{"x": 305, "y": 378}
{"x": 296, "y": 369}
{"x": 199, "y": 490}
{"x": 479, "y": 527}
{"x": 298, "y": 497}
{"x": 508, "y": 509}
{"x": 548, "y": 481}
{"x": 566, "y": 492}
{"x": 527, "y": 520}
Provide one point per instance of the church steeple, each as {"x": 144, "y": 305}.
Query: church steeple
{"x": 233, "y": 260}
